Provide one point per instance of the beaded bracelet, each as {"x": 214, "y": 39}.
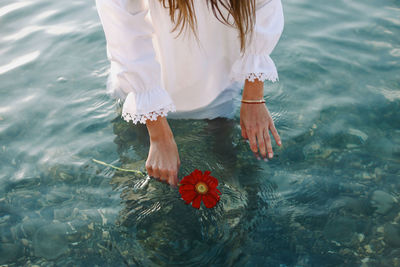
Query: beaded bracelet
{"x": 260, "y": 101}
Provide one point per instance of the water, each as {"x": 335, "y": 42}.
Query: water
{"x": 330, "y": 197}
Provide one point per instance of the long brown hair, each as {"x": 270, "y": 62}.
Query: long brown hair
{"x": 242, "y": 12}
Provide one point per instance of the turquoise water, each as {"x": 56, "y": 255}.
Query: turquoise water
{"x": 330, "y": 197}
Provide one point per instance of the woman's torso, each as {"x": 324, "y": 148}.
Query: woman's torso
{"x": 195, "y": 72}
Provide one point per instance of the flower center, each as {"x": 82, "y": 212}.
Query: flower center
{"x": 201, "y": 188}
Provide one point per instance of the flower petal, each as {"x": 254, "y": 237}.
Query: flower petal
{"x": 196, "y": 202}
{"x": 214, "y": 194}
{"x": 186, "y": 187}
{"x": 197, "y": 174}
{"x": 209, "y": 201}
{"x": 189, "y": 179}
{"x": 212, "y": 182}
{"x": 188, "y": 196}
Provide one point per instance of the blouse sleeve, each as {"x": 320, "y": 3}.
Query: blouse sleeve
{"x": 134, "y": 67}
{"x": 256, "y": 62}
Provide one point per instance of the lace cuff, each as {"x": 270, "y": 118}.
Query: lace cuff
{"x": 147, "y": 106}
{"x": 261, "y": 76}
{"x": 253, "y": 67}
{"x": 141, "y": 118}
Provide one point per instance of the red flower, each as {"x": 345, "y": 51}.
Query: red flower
{"x": 197, "y": 187}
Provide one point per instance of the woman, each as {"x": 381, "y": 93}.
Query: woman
{"x": 189, "y": 59}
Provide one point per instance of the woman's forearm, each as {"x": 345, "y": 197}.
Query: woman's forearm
{"x": 253, "y": 90}
{"x": 159, "y": 129}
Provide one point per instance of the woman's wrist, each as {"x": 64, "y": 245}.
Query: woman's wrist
{"x": 253, "y": 90}
{"x": 159, "y": 129}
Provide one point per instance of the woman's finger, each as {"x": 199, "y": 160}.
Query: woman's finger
{"x": 156, "y": 173}
{"x": 164, "y": 176}
{"x": 253, "y": 142}
{"x": 267, "y": 139}
{"x": 149, "y": 170}
{"x": 261, "y": 144}
{"x": 275, "y": 134}
{"x": 173, "y": 178}
{"x": 244, "y": 134}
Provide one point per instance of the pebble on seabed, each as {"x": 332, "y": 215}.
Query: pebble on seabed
{"x": 382, "y": 201}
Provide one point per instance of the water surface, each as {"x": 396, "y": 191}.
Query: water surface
{"x": 330, "y": 197}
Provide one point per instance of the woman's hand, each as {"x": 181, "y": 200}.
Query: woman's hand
{"x": 163, "y": 160}
{"x": 256, "y": 121}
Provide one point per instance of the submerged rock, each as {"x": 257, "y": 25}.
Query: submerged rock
{"x": 57, "y": 196}
{"x": 382, "y": 201}
{"x": 361, "y": 135}
{"x": 392, "y": 235}
{"x": 340, "y": 229}
{"x": 50, "y": 241}
{"x": 30, "y": 226}
{"x": 312, "y": 149}
{"x": 9, "y": 252}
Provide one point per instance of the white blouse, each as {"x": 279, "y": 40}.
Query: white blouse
{"x": 156, "y": 72}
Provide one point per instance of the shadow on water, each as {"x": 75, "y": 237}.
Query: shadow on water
{"x": 158, "y": 228}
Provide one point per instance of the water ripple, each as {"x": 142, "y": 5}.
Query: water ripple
{"x": 20, "y": 61}
{"x": 12, "y": 7}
